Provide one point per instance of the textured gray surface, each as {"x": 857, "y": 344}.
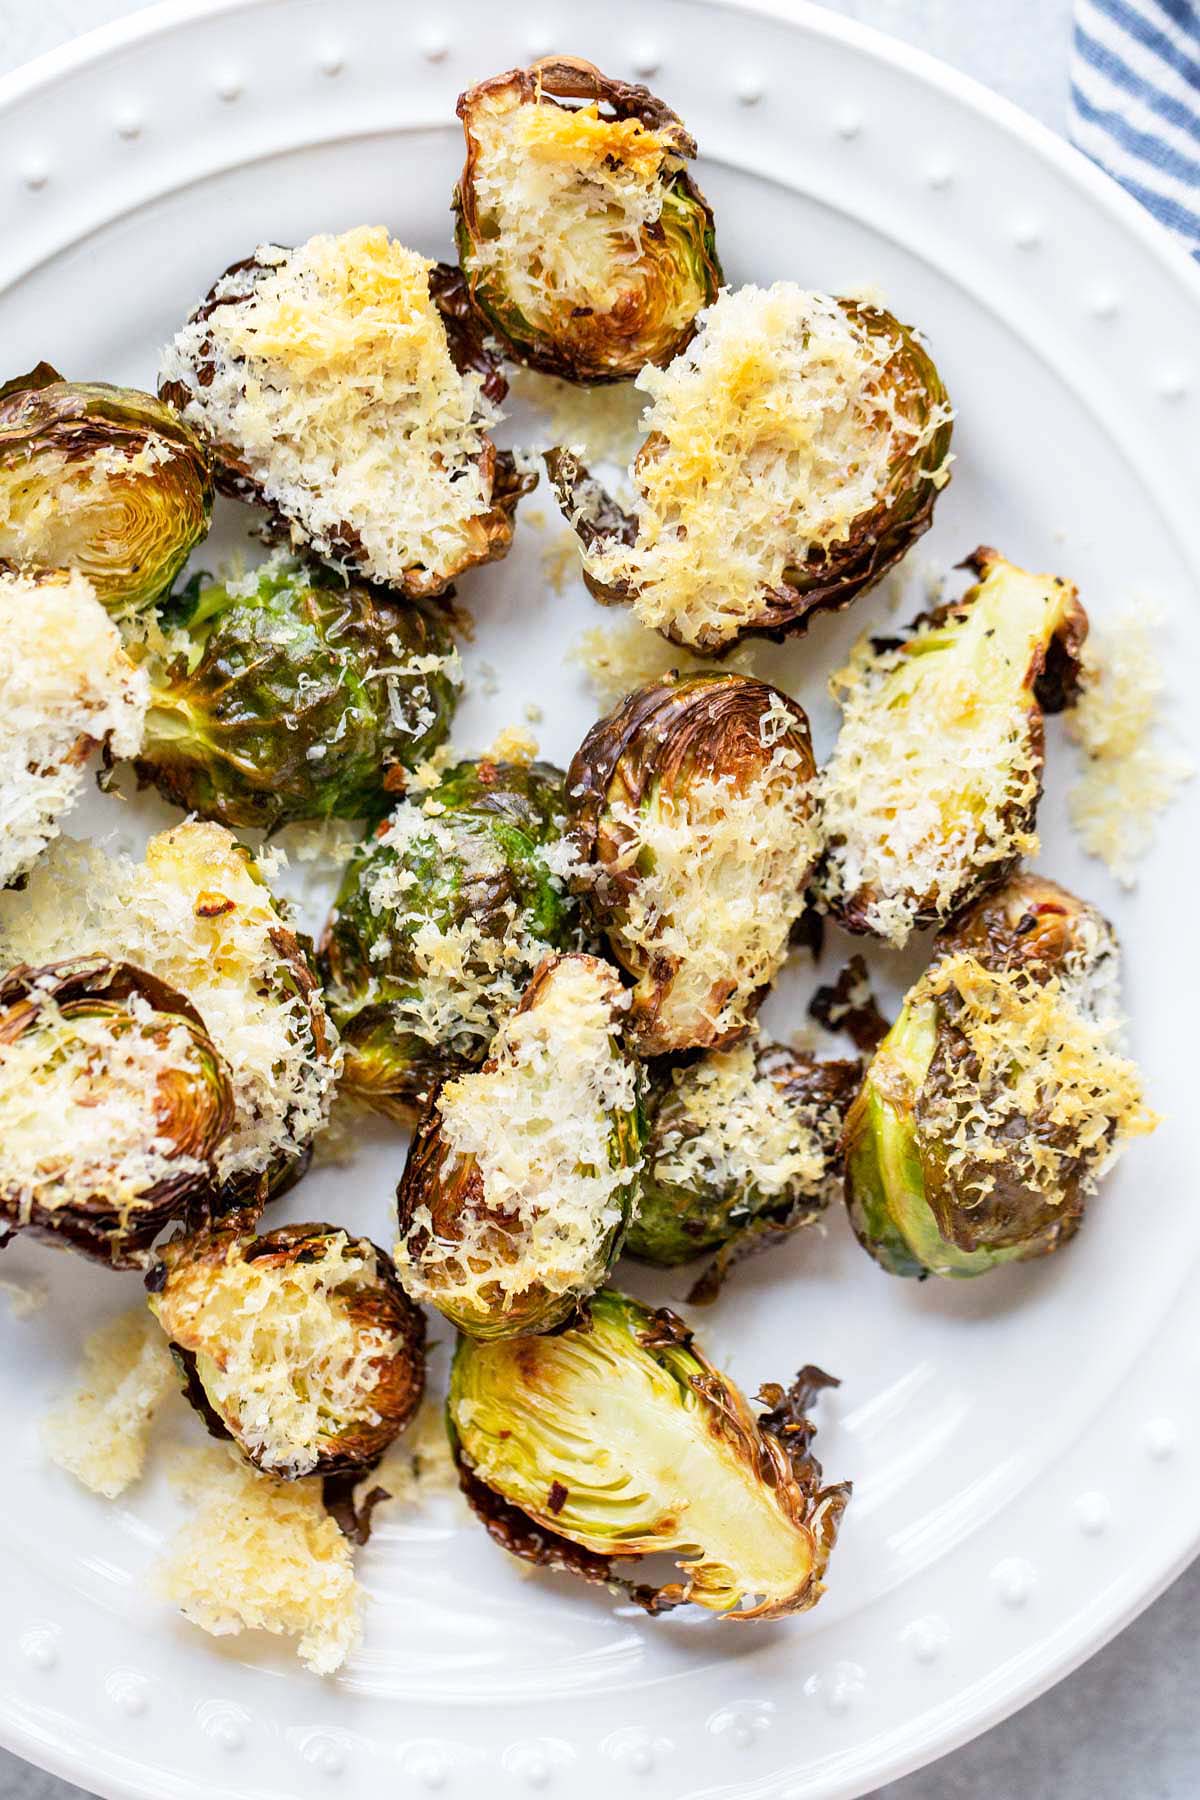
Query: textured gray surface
{"x": 1126, "y": 1725}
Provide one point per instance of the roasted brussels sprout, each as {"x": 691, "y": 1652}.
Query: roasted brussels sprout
{"x": 618, "y": 1439}
{"x": 341, "y": 387}
{"x": 66, "y": 688}
{"x": 587, "y": 247}
{"x": 440, "y": 922}
{"x": 300, "y": 1345}
{"x": 692, "y": 814}
{"x": 103, "y": 480}
{"x": 794, "y": 452}
{"x": 197, "y": 914}
{"x": 999, "y": 1098}
{"x": 742, "y": 1147}
{"x": 294, "y": 694}
{"x": 114, "y": 1103}
{"x": 931, "y": 794}
{"x": 522, "y": 1176}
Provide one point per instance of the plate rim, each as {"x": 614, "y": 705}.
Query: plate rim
{"x": 164, "y": 17}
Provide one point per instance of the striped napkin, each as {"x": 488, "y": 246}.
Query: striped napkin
{"x": 1135, "y": 102}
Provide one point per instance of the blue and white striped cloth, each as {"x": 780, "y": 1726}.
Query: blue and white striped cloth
{"x": 1135, "y": 102}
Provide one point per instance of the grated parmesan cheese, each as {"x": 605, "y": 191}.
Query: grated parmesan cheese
{"x": 416, "y": 1466}
{"x": 1040, "y": 1088}
{"x": 722, "y": 870}
{"x": 85, "y": 1110}
{"x": 568, "y": 201}
{"x": 618, "y": 658}
{"x": 262, "y": 1555}
{"x": 535, "y": 1125}
{"x": 1127, "y": 780}
{"x": 100, "y": 1434}
{"x": 769, "y": 436}
{"x": 936, "y": 771}
{"x": 278, "y": 1352}
{"x": 66, "y": 686}
{"x": 732, "y": 1128}
{"x": 194, "y": 914}
{"x": 601, "y": 424}
{"x": 333, "y": 385}
{"x": 515, "y": 745}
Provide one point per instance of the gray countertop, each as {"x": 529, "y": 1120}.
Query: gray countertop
{"x": 1126, "y": 1725}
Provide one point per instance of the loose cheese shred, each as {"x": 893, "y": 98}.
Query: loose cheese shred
{"x": 194, "y": 914}
{"x": 618, "y": 658}
{"x": 599, "y": 423}
{"x": 537, "y": 1123}
{"x": 768, "y": 437}
{"x": 100, "y": 1434}
{"x": 1042, "y": 1088}
{"x": 262, "y": 1555}
{"x": 66, "y": 686}
{"x": 1127, "y": 779}
{"x": 277, "y": 1351}
{"x": 333, "y": 383}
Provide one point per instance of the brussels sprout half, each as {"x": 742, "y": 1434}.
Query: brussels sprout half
{"x": 742, "y": 1150}
{"x": 299, "y": 1345}
{"x": 345, "y": 387}
{"x": 113, "y": 1105}
{"x": 692, "y": 814}
{"x": 522, "y": 1176}
{"x": 618, "y": 1439}
{"x": 586, "y": 246}
{"x": 795, "y": 451}
{"x": 294, "y": 694}
{"x": 441, "y": 920}
{"x": 931, "y": 794}
{"x": 997, "y": 1100}
{"x": 104, "y": 480}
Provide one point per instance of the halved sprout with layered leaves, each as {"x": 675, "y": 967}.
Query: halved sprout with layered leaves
{"x": 1000, "y": 1096}
{"x": 522, "y": 1176}
{"x": 197, "y": 914}
{"x": 931, "y": 794}
{"x": 742, "y": 1148}
{"x": 441, "y": 920}
{"x": 617, "y": 1439}
{"x": 67, "y": 688}
{"x": 300, "y": 1345}
{"x": 586, "y": 246}
{"x": 340, "y": 386}
{"x": 114, "y": 1106}
{"x": 103, "y": 480}
{"x": 692, "y": 815}
{"x": 794, "y": 452}
{"x": 292, "y": 693}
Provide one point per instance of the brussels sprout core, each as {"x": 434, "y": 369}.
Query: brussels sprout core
{"x": 522, "y": 1175}
{"x": 300, "y": 1345}
{"x": 931, "y": 793}
{"x": 999, "y": 1097}
{"x": 691, "y": 809}
{"x": 103, "y": 480}
{"x": 794, "y": 452}
{"x": 586, "y": 246}
{"x": 742, "y": 1149}
{"x": 619, "y": 1439}
{"x": 293, "y": 694}
{"x": 441, "y": 921}
{"x": 336, "y": 393}
{"x": 113, "y": 1104}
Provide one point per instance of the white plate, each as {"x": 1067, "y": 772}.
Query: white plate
{"x": 1023, "y": 1448}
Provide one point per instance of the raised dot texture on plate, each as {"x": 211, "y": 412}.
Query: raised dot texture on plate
{"x": 40, "y": 1645}
{"x": 1161, "y": 1437}
{"x": 1093, "y": 1512}
{"x": 35, "y": 175}
{"x": 749, "y": 90}
{"x": 225, "y": 1723}
{"x": 129, "y": 1691}
{"x": 128, "y": 125}
{"x": 926, "y": 1637}
{"x": 1014, "y": 1580}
